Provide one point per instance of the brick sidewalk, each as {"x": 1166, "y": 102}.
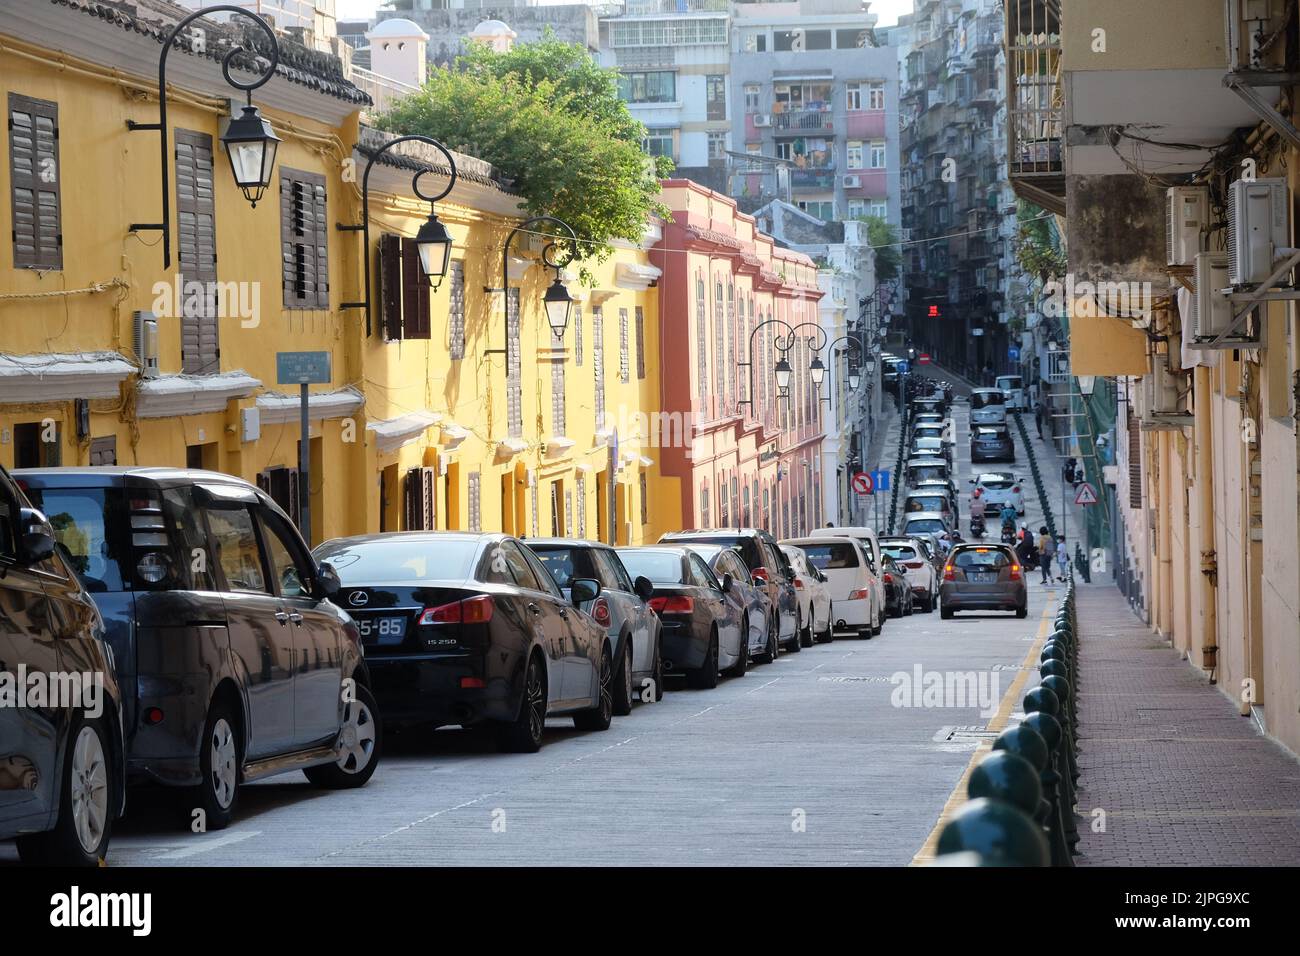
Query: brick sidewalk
{"x": 1183, "y": 779}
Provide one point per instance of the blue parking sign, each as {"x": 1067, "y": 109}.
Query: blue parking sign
{"x": 1013, "y": 353}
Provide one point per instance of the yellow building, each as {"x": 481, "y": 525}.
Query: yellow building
{"x": 106, "y": 356}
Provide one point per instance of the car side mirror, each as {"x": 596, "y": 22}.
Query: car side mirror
{"x": 582, "y": 590}
{"x": 727, "y": 582}
{"x": 328, "y": 583}
{"x": 643, "y": 587}
{"x": 38, "y": 537}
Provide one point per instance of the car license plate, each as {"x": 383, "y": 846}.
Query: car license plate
{"x": 984, "y": 577}
{"x": 375, "y": 629}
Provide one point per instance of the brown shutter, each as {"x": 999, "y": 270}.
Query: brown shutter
{"x": 103, "y": 451}
{"x": 415, "y": 294}
{"x": 640, "y": 343}
{"x": 304, "y": 237}
{"x": 390, "y": 285}
{"x": 1134, "y": 461}
{"x": 419, "y": 499}
{"x": 34, "y": 175}
{"x": 456, "y": 311}
{"x": 196, "y": 253}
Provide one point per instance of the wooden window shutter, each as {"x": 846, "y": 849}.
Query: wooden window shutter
{"x": 624, "y": 371}
{"x": 577, "y": 335}
{"x": 1134, "y": 461}
{"x": 456, "y": 311}
{"x": 514, "y": 376}
{"x": 103, "y": 451}
{"x": 34, "y": 176}
{"x": 304, "y": 237}
{"x": 196, "y": 252}
{"x": 390, "y": 285}
{"x": 640, "y": 343}
{"x": 415, "y": 294}
{"x": 420, "y": 499}
{"x": 281, "y": 484}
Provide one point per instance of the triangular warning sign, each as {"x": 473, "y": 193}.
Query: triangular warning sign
{"x": 1085, "y": 495}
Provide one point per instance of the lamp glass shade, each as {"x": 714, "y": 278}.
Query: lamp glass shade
{"x": 783, "y": 371}
{"x": 558, "y": 302}
{"x": 433, "y": 242}
{"x": 251, "y": 145}
{"x": 855, "y": 379}
{"x": 817, "y": 370}
{"x": 871, "y": 366}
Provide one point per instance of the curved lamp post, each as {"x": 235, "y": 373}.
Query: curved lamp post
{"x": 782, "y": 370}
{"x": 433, "y": 241}
{"x": 557, "y": 300}
{"x": 850, "y": 341}
{"x": 249, "y": 140}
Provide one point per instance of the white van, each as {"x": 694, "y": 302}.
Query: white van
{"x": 853, "y": 585}
{"x": 1013, "y": 389}
{"x": 871, "y": 546}
{"x": 988, "y": 406}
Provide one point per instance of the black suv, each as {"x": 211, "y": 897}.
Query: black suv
{"x": 237, "y": 663}
{"x": 61, "y": 756}
{"x": 770, "y": 569}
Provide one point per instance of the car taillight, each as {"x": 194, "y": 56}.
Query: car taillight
{"x": 1016, "y": 489}
{"x": 1015, "y": 572}
{"x": 600, "y": 611}
{"x": 476, "y": 610}
{"x": 913, "y": 564}
{"x": 798, "y": 584}
{"x": 889, "y": 578}
{"x": 859, "y": 594}
{"x": 947, "y": 573}
{"x": 762, "y": 573}
{"x": 672, "y": 605}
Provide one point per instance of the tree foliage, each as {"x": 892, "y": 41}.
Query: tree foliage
{"x": 546, "y": 115}
{"x": 884, "y": 240}
{"x": 1038, "y": 246}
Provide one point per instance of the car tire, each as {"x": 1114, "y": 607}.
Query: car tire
{"x": 220, "y": 757}
{"x": 356, "y": 764}
{"x": 796, "y": 642}
{"x": 705, "y": 677}
{"x": 86, "y": 803}
{"x": 623, "y": 681}
{"x": 880, "y": 624}
{"x": 738, "y": 669}
{"x": 866, "y": 633}
{"x": 657, "y": 676}
{"x": 772, "y": 650}
{"x": 946, "y": 612}
{"x": 1022, "y": 612}
{"x": 806, "y": 631}
{"x": 602, "y": 715}
{"x": 523, "y": 735}
{"x": 828, "y": 635}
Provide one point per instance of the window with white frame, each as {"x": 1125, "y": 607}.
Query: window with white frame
{"x": 877, "y": 154}
{"x": 880, "y": 208}
{"x": 659, "y": 142}
{"x": 717, "y": 145}
{"x": 853, "y": 97}
{"x": 876, "y": 95}
{"x": 857, "y": 208}
{"x": 753, "y": 92}
{"x": 854, "y": 150}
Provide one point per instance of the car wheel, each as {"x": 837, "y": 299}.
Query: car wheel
{"x": 773, "y": 649}
{"x": 219, "y": 762}
{"x": 623, "y": 681}
{"x": 866, "y": 633}
{"x": 946, "y": 612}
{"x": 1022, "y": 612}
{"x": 359, "y": 744}
{"x": 795, "y": 644}
{"x": 828, "y": 635}
{"x": 657, "y": 690}
{"x": 523, "y": 735}
{"x": 806, "y": 631}
{"x": 705, "y": 677}
{"x": 738, "y": 669}
{"x": 81, "y": 832}
{"x": 602, "y": 715}
{"x": 880, "y": 623}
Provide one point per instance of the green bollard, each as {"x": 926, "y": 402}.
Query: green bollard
{"x": 998, "y": 832}
{"x": 1048, "y": 728}
{"x": 1027, "y": 743}
{"x": 1008, "y": 777}
{"x": 1042, "y": 699}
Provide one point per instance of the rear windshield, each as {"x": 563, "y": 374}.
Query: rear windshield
{"x": 921, "y": 472}
{"x": 925, "y": 524}
{"x": 399, "y": 559}
{"x": 996, "y": 483}
{"x": 985, "y": 399}
{"x": 565, "y": 564}
{"x": 661, "y": 567}
{"x": 899, "y": 552}
{"x": 88, "y": 526}
{"x": 746, "y": 545}
{"x": 927, "y": 503}
{"x": 830, "y": 557}
{"x": 1009, "y": 382}
{"x": 980, "y": 560}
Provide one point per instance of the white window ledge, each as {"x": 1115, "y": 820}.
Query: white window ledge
{"x": 392, "y": 433}
{"x": 279, "y": 409}
{"x": 61, "y": 377}
{"x": 169, "y": 396}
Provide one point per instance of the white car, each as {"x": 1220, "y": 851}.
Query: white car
{"x": 855, "y": 590}
{"x": 871, "y": 545}
{"x": 998, "y": 488}
{"x": 1013, "y": 388}
{"x": 988, "y": 406}
{"x": 921, "y": 573}
{"x": 814, "y": 597}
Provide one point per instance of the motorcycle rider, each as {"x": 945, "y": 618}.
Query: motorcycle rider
{"x": 977, "y": 511}
{"x": 1008, "y": 516}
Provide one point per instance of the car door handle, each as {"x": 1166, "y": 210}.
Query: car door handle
{"x": 295, "y": 617}
{"x": 282, "y": 617}
{"x": 534, "y": 608}
{"x": 564, "y": 613}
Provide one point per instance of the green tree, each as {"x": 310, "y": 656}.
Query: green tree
{"x": 546, "y": 115}
{"x": 1038, "y": 245}
{"x": 884, "y": 240}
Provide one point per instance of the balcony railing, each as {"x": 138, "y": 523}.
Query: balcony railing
{"x": 804, "y": 120}
{"x": 382, "y": 89}
{"x": 645, "y": 7}
{"x": 821, "y": 178}
{"x": 1034, "y": 102}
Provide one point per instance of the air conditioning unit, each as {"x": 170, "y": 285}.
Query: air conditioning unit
{"x": 1257, "y": 228}
{"x": 1162, "y": 387}
{"x": 1256, "y": 39}
{"x": 146, "y": 343}
{"x": 762, "y": 119}
{"x": 1187, "y": 216}
{"x": 1211, "y": 309}
{"x": 852, "y": 182}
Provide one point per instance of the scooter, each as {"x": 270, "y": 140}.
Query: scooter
{"x": 977, "y": 529}
{"x": 1009, "y": 532}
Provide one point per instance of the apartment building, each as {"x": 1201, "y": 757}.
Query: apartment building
{"x": 1157, "y": 130}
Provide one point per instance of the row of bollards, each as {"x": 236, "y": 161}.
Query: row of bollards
{"x": 1021, "y": 811}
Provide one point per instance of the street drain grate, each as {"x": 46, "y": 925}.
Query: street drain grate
{"x": 958, "y": 734}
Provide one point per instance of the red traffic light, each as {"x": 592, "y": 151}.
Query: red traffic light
{"x": 934, "y": 312}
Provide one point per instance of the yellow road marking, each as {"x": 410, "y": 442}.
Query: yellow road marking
{"x": 998, "y": 723}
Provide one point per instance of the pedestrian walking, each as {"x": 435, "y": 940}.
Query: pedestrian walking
{"x": 1046, "y": 553}
{"x": 1040, "y": 412}
{"x": 1062, "y": 557}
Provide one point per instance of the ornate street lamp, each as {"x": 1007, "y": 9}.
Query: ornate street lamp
{"x": 432, "y": 242}
{"x": 557, "y": 301}
{"x": 855, "y": 374}
{"x": 855, "y": 379}
{"x": 783, "y": 371}
{"x": 249, "y": 140}
{"x": 818, "y": 371}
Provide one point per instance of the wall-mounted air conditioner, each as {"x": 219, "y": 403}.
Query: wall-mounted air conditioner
{"x": 762, "y": 119}
{"x": 146, "y": 343}
{"x": 1257, "y": 228}
{"x": 852, "y": 182}
{"x": 1256, "y": 34}
{"x": 1211, "y": 308}
{"x": 1162, "y": 388}
{"x": 1187, "y": 215}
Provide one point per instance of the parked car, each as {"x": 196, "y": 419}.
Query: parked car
{"x": 998, "y": 488}
{"x": 469, "y": 628}
{"x": 622, "y": 608}
{"x": 748, "y": 592}
{"x": 764, "y": 558}
{"x": 914, "y": 555}
{"x": 871, "y": 546}
{"x": 1013, "y": 389}
{"x": 929, "y": 418}
{"x": 929, "y": 405}
{"x": 934, "y": 522}
{"x": 991, "y": 443}
{"x": 988, "y": 406}
{"x": 925, "y": 468}
{"x": 235, "y": 661}
{"x": 814, "y": 598}
{"x": 701, "y": 628}
{"x": 62, "y": 771}
{"x": 855, "y": 594}
{"x": 945, "y": 486}
{"x": 985, "y": 577}
{"x": 929, "y": 499}
{"x": 898, "y": 590}
{"x": 923, "y": 446}
{"x": 931, "y": 430}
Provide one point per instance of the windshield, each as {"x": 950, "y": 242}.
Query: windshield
{"x": 979, "y": 560}
{"x": 899, "y": 552}
{"x": 925, "y": 524}
{"x": 744, "y": 544}
{"x": 921, "y": 472}
{"x": 995, "y": 482}
{"x": 399, "y": 559}
{"x": 1009, "y": 382}
{"x": 565, "y": 564}
{"x": 661, "y": 567}
{"x": 986, "y": 399}
{"x": 926, "y": 503}
{"x": 831, "y": 557}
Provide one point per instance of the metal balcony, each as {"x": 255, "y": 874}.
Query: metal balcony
{"x": 1035, "y": 103}
{"x": 805, "y": 121}
{"x": 819, "y": 179}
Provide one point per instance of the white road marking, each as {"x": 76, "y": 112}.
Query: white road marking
{"x": 204, "y": 846}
